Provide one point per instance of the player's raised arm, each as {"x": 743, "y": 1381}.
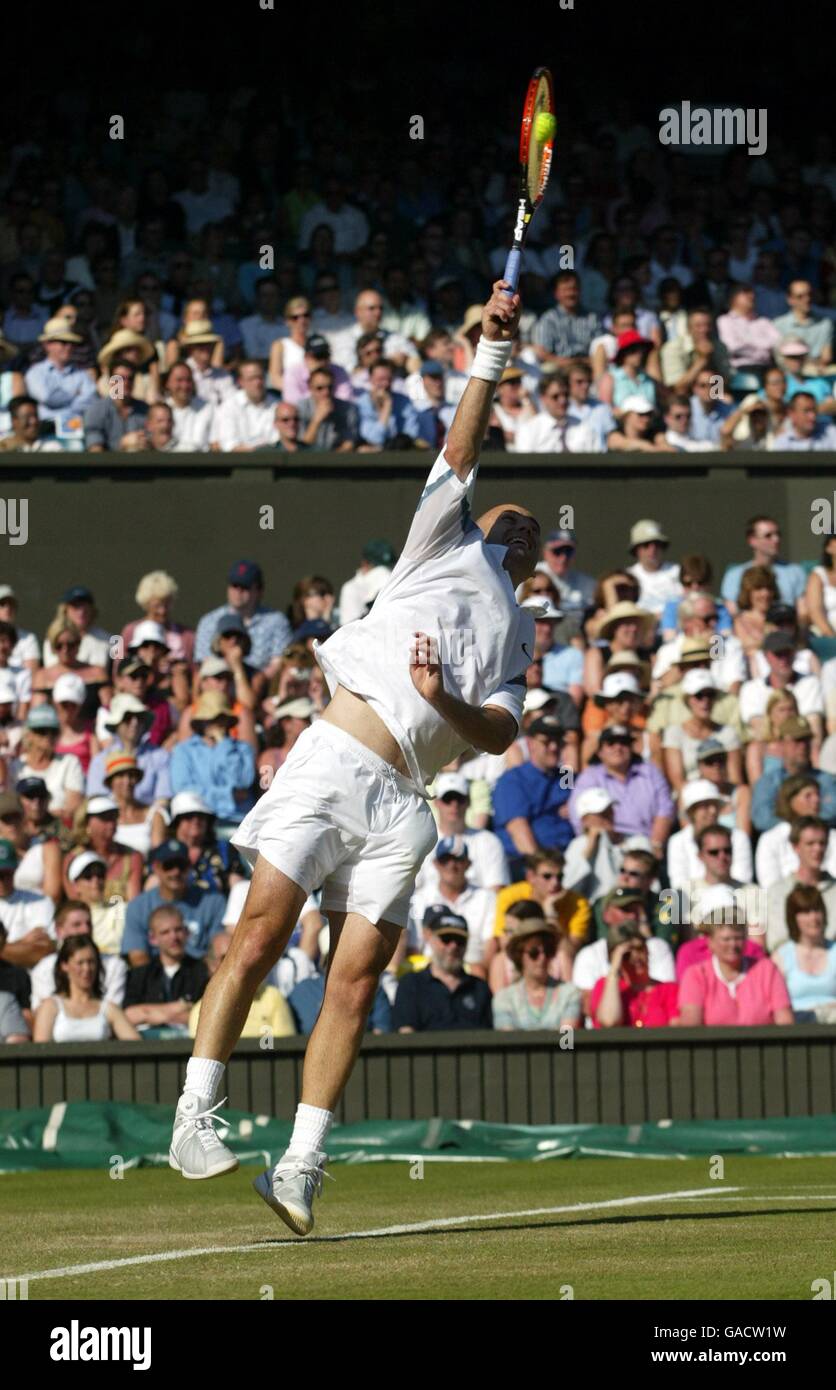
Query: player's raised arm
{"x": 500, "y": 320}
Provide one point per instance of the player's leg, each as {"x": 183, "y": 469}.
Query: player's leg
{"x": 358, "y": 953}
{"x": 270, "y": 913}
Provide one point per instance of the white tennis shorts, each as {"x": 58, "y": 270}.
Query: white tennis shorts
{"x": 337, "y": 816}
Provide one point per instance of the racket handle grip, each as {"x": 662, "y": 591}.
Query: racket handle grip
{"x": 512, "y": 269}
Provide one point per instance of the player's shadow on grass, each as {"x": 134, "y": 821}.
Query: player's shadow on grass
{"x": 727, "y": 1214}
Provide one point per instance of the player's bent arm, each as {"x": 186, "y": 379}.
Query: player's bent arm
{"x": 490, "y": 729}
{"x": 469, "y": 425}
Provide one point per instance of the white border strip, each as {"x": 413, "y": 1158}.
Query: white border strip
{"x": 415, "y": 1228}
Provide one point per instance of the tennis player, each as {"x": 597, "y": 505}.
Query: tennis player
{"x": 437, "y": 667}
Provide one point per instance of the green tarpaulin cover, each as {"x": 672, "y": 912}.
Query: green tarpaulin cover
{"x": 87, "y": 1134}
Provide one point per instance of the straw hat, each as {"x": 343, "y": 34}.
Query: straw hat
{"x": 198, "y": 331}
{"x": 56, "y": 331}
{"x": 471, "y": 318}
{"x": 125, "y": 338}
{"x": 212, "y": 707}
{"x": 619, "y": 613}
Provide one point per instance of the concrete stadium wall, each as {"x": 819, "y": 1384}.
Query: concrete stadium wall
{"x": 105, "y": 520}
{"x": 609, "y": 1076}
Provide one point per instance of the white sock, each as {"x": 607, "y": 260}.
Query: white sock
{"x": 204, "y": 1077}
{"x": 310, "y": 1129}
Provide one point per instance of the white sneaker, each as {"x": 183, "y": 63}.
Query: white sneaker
{"x": 291, "y": 1186}
{"x": 196, "y": 1151}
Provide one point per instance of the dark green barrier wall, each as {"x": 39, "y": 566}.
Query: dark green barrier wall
{"x": 617, "y": 1076}
{"x": 106, "y": 520}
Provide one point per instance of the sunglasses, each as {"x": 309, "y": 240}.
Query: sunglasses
{"x": 716, "y": 760}
{"x": 725, "y": 850}
{"x": 298, "y": 316}
{"x": 558, "y": 550}
{"x": 535, "y": 952}
{"x": 448, "y": 939}
{"x": 289, "y": 420}
{"x": 554, "y": 877}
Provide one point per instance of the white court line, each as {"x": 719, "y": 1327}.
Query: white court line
{"x": 774, "y": 1197}
{"x": 415, "y": 1228}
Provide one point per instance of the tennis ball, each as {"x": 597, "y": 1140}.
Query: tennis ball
{"x": 545, "y": 126}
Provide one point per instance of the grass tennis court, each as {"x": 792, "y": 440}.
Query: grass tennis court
{"x": 764, "y": 1232}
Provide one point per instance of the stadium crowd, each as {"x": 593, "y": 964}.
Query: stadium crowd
{"x": 263, "y": 290}
{"x": 657, "y": 846}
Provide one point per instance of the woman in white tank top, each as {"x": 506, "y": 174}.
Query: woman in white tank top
{"x": 76, "y": 1011}
{"x": 821, "y": 592}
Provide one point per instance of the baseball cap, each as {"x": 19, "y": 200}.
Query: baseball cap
{"x": 125, "y": 704}
{"x": 616, "y": 733}
{"x": 188, "y": 804}
{"x": 246, "y": 573}
{"x": 8, "y": 856}
{"x": 718, "y": 897}
{"x": 511, "y": 374}
{"x": 693, "y": 682}
{"x": 537, "y": 699}
{"x": 645, "y": 531}
{"x": 778, "y": 642}
{"x": 593, "y": 802}
{"x": 451, "y": 782}
{"x": 433, "y": 368}
{"x": 630, "y": 338}
{"x": 301, "y": 708}
{"x": 379, "y": 552}
{"x": 42, "y": 717}
{"x": 8, "y": 688}
{"x": 613, "y": 687}
{"x": 101, "y": 806}
{"x": 170, "y": 851}
{"x": 148, "y": 632}
{"x": 543, "y": 610}
{"x": 313, "y": 627}
{"x": 563, "y": 535}
{"x": 700, "y": 790}
{"x": 70, "y": 688}
{"x": 638, "y": 404}
{"x": 79, "y": 593}
{"x": 779, "y": 613}
{"x": 709, "y": 748}
{"x": 452, "y": 847}
{"x": 546, "y": 724}
{"x": 317, "y": 345}
{"x": 439, "y": 919}
{"x": 10, "y": 804}
{"x": 622, "y": 897}
{"x": 795, "y": 727}
{"x": 131, "y": 666}
{"x": 6, "y": 591}
{"x": 214, "y": 666}
{"x": 82, "y": 862}
{"x": 32, "y": 786}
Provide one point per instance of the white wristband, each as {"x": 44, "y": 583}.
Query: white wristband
{"x": 490, "y": 360}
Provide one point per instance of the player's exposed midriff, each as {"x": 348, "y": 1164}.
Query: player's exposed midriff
{"x": 355, "y": 716}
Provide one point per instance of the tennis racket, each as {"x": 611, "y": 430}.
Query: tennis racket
{"x": 535, "y": 164}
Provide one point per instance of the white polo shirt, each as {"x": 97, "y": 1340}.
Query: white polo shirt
{"x": 754, "y": 697}
{"x": 449, "y": 584}
{"x": 476, "y": 905}
{"x": 593, "y": 961}
{"x": 23, "y": 911}
{"x": 238, "y": 420}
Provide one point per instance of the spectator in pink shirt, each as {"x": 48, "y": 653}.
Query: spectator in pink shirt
{"x": 317, "y": 354}
{"x": 718, "y": 898}
{"x": 749, "y": 338}
{"x": 730, "y": 988}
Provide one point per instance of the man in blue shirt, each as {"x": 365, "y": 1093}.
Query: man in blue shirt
{"x": 384, "y": 414}
{"x": 530, "y": 802}
{"x": 53, "y": 383}
{"x": 763, "y": 535}
{"x": 796, "y": 740}
{"x": 218, "y": 768}
{"x": 707, "y": 413}
{"x": 202, "y": 912}
{"x": 269, "y": 631}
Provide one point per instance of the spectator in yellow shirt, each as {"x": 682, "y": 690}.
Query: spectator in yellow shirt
{"x": 270, "y": 1010}
{"x": 544, "y": 883}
